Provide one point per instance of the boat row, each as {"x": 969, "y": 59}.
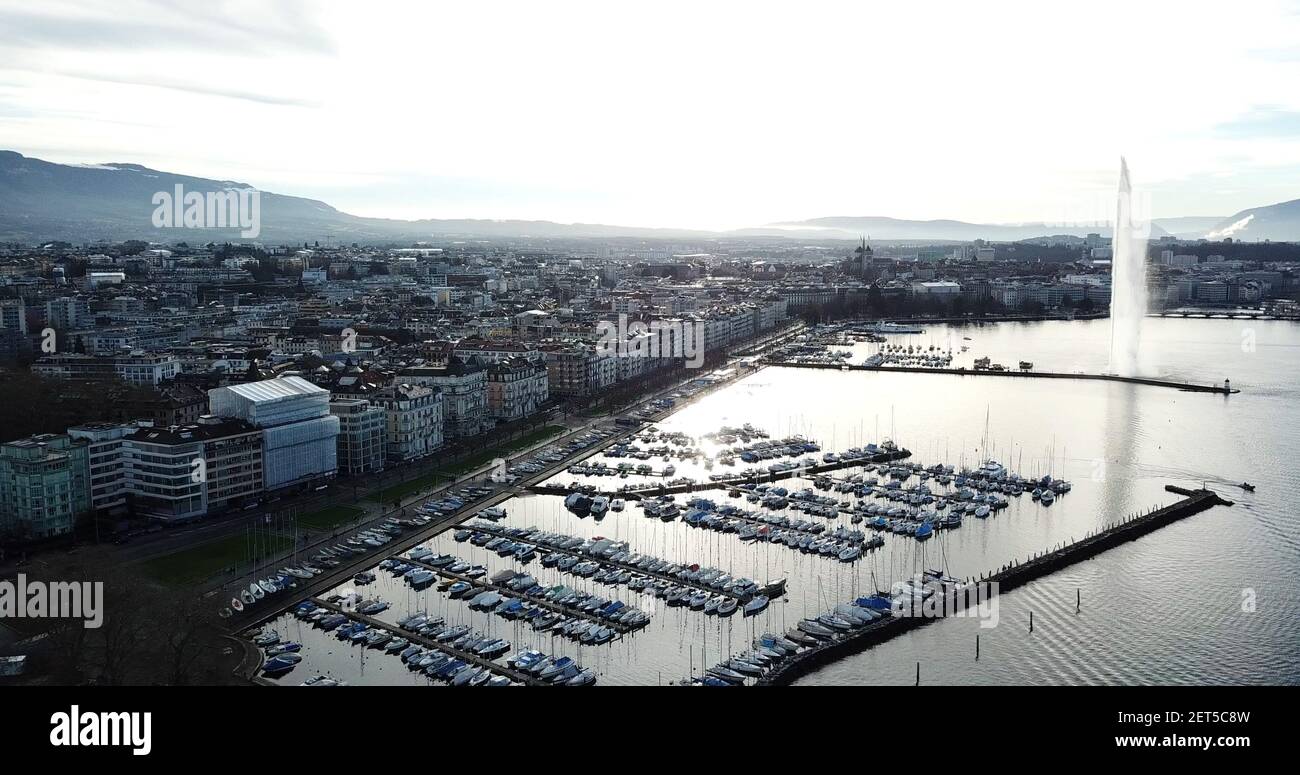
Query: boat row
{"x": 555, "y": 670}
{"x": 647, "y": 570}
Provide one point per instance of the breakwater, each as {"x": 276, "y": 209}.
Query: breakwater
{"x": 1007, "y": 578}
{"x": 1190, "y": 387}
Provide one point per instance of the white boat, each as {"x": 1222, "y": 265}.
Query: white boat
{"x": 616, "y": 504}
{"x": 585, "y": 678}
{"x": 599, "y": 505}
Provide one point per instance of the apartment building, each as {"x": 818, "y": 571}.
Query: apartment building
{"x": 414, "y": 427}
{"x": 44, "y": 486}
{"x": 362, "y": 435}
{"x": 184, "y": 472}
{"x": 464, "y": 395}
{"x": 107, "y": 476}
{"x": 135, "y": 368}
{"x": 516, "y": 388}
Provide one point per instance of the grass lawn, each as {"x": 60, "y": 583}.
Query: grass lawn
{"x": 198, "y": 563}
{"x": 523, "y": 442}
{"x": 431, "y": 479}
{"x": 329, "y": 517}
{"x": 422, "y": 482}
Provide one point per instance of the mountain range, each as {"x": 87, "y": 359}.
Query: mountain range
{"x": 43, "y": 201}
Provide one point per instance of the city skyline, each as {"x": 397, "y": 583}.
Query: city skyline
{"x": 714, "y": 119}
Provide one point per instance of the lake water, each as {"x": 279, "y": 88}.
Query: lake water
{"x": 1168, "y": 608}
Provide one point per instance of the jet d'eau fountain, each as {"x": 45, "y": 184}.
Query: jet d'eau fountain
{"x": 1128, "y": 289}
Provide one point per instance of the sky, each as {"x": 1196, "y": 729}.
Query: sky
{"x": 698, "y": 115}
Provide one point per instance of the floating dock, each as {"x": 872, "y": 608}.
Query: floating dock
{"x": 777, "y": 587}
{"x": 483, "y": 585}
{"x": 1008, "y": 578}
{"x": 414, "y": 637}
{"x": 723, "y": 484}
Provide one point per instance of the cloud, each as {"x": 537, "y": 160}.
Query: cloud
{"x": 129, "y": 24}
{"x": 157, "y": 82}
{"x": 1261, "y": 122}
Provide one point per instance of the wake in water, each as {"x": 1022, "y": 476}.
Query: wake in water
{"x": 1128, "y": 290}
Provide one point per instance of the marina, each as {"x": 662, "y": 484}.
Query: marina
{"x": 928, "y": 519}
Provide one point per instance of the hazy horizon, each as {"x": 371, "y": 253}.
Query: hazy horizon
{"x": 711, "y": 118}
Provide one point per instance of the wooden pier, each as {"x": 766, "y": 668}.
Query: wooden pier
{"x": 723, "y": 484}
{"x": 615, "y": 564}
{"x": 416, "y": 638}
{"x": 483, "y": 585}
{"x": 1007, "y": 578}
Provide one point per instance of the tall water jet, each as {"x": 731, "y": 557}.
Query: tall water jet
{"x": 1128, "y": 282}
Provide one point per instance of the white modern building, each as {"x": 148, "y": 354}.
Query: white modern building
{"x": 300, "y": 436}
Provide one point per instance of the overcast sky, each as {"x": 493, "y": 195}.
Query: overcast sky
{"x": 697, "y": 114}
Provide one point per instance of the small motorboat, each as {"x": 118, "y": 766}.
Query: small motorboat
{"x": 267, "y": 639}
{"x": 282, "y": 663}
{"x": 1247, "y": 486}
